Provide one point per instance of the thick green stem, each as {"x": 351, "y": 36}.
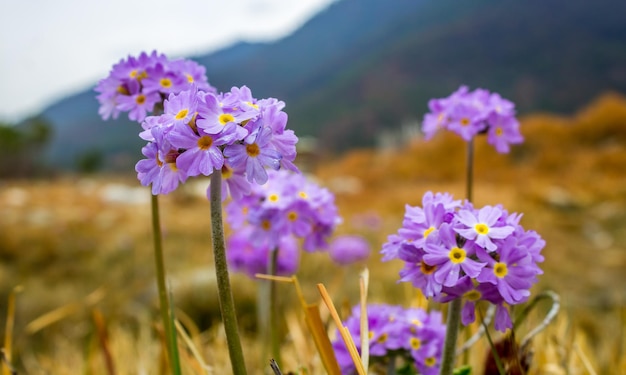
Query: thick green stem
{"x": 452, "y": 332}
{"x": 227, "y": 305}
{"x": 170, "y": 337}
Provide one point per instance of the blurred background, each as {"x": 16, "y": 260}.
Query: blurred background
{"x": 356, "y": 76}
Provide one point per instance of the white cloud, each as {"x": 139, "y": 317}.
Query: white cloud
{"x": 49, "y": 49}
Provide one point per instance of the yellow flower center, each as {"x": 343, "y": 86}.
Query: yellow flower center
{"x": 205, "y": 142}
{"x": 430, "y": 361}
{"x": 226, "y": 172}
{"x": 255, "y": 106}
{"x": 266, "y": 224}
{"x": 427, "y": 269}
{"x": 416, "y": 322}
{"x": 292, "y": 216}
{"x": 481, "y": 228}
{"x": 370, "y": 334}
{"x": 173, "y": 167}
{"x": 181, "y": 114}
{"x": 122, "y": 90}
{"x": 225, "y": 118}
{"x": 382, "y": 338}
{"x": 428, "y": 231}
{"x": 253, "y": 150}
{"x": 499, "y": 131}
{"x": 189, "y": 78}
{"x": 140, "y": 99}
{"x": 465, "y": 121}
{"x": 166, "y": 82}
{"x": 415, "y": 343}
{"x": 457, "y": 255}
{"x": 473, "y": 295}
{"x": 133, "y": 73}
{"x": 273, "y": 198}
{"x": 303, "y": 195}
{"x": 500, "y": 270}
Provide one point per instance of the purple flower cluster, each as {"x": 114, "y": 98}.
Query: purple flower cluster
{"x": 412, "y": 335}
{"x": 453, "y": 250}
{"x": 275, "y": 216}
{"x": 349, "y": 249}
{"x": 470, "y": 113}
{"x": 200, "y": 132}
{"x": 135, "y": 85}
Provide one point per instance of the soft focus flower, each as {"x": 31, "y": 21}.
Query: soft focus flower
{"x": 136, "y": 84}
{"x": 453, "y": 250}
{"x": 346, "y": 250}
{"x": 287, "y": 206}
{"x": 411, "y": 334}
{"x": 471, "y": 113}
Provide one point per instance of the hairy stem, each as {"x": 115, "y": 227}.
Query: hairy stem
{"x": 227, "y": 305}
{"x": 163, "y": 299}
{"x": 452, "y": 332}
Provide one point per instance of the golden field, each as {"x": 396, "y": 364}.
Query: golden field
{"x": 79, "y": 251}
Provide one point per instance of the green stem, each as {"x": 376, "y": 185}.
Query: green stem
{"x": 452, "y": 331}
{"x": 163, "y": 299}
{"x": 227, "y": 305}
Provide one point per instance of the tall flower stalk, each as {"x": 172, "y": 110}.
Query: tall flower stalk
{"x": 198, "y": 132}
{"x": 227, "y": 305}
{"x": 460, "y": 254}
{"x": 164, "y": 302}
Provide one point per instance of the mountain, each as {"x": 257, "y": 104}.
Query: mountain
{"x": 362, "y": 66}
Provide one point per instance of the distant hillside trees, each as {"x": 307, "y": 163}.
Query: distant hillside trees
{"x": 22, "y": 148}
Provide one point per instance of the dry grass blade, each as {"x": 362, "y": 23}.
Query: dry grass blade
{"x": 64, "y": 311}
{"x": 103, "y": 339}
{"x": 365, "y": 347}
{"x": 8, "y": 333}
{"x": 192, "y": 347}
{"x": 343, "y": 331}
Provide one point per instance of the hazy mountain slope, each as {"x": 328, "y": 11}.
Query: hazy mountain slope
{"x": 361, "y": 66}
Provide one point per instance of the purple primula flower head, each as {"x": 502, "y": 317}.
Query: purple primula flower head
{"x": 252, "y": 258}
{"x": 410, "y": 335}
{"x": 464, "y": 252}
{"x": 137, "y": 84}
{"x": 471, "y": 113}
{"x": 348, "y": 249}
{"x": 277, "y": 210}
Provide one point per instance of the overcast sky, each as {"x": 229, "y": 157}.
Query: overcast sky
{"x": 50, "y": 49}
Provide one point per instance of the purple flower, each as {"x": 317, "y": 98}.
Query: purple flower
{"x": 513, "y": 273}
{"x": 159, "y": 169}
{"x": 504, "y": 131}
{"x": 346, "y": 250}
{"x": 255, "y": 154}
{"x": 482, "y": 227}
{"x": 202, "y": 153}
{"x": 138, "y": 104}
{"x": 452, "y": 261}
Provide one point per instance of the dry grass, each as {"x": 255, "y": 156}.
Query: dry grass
{"x": 62, "y": 240}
